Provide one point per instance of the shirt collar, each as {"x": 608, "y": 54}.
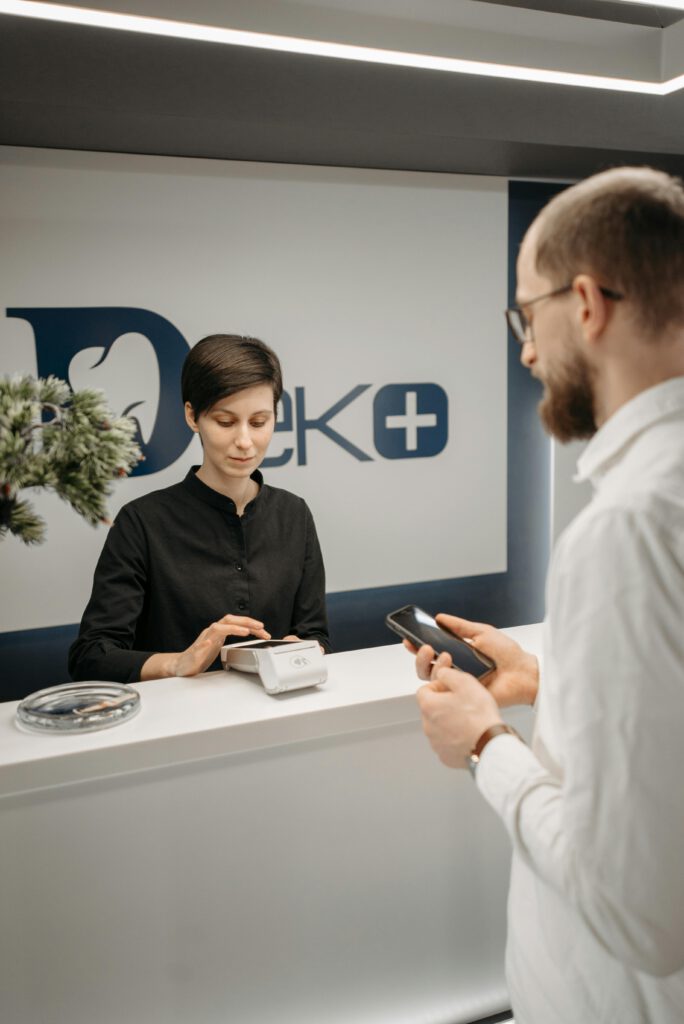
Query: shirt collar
{"x": 641, "y": 412}
{"x": 215, "y": 498}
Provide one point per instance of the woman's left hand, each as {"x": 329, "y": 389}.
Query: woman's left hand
{"x": 297, "y": 639}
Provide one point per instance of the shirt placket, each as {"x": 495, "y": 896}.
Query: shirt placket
{"x": 239, "y": 567}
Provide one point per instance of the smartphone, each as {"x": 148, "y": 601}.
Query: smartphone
{"x": 420, "y": 628}
{"x": 260, "y": 645}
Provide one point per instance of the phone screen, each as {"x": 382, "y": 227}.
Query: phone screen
{"x": 261, "y": 644}
{"x": 420, "y": 628}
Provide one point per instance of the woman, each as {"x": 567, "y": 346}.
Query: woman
{"x": 219, "y": 555}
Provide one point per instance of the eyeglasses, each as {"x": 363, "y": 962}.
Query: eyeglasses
{"x": 520, "y": 326}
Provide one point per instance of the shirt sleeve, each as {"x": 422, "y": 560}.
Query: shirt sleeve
{"x": 609, "y": 835}
{"x": 309, "y": 616}
{"x": 104, "y": 646}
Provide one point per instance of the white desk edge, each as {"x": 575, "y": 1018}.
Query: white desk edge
{"x": 218, "y": 714}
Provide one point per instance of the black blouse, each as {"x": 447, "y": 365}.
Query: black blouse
{"x": 178, "y": 559}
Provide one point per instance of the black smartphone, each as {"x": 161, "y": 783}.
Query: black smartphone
{"x": 420, "y": 628}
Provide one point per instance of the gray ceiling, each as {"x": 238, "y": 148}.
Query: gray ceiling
{"x": 83, "y": 88}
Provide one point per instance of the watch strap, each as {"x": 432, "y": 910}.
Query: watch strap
{"x": 473, "y": 758}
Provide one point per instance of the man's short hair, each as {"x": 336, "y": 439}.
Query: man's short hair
{"x": 223, "y": 364}
{"x": 625, "y": 227}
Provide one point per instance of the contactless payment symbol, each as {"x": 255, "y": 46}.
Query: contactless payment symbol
{"x": 410, "y": 421}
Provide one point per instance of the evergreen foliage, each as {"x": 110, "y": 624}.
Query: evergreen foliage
{"x": 67, "y": 441}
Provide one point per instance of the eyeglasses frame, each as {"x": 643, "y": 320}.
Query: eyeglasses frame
{"x": 519, "y": 311}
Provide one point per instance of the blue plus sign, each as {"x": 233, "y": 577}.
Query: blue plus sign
{"x": 410, "y": 420}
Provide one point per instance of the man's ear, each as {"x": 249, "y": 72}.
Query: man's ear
{"x": 594, "y": 310}
{"x": 190, "y": 418}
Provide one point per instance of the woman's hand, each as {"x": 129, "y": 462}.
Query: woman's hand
{"x": 516, "y": 678}
{"x": 297, "y": 639}
{"x": 205, "y": 649}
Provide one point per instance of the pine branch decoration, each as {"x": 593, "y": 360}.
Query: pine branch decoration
{"x": 63, "y": 440}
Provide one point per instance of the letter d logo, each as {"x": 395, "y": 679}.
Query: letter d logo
{"x": 61, "y": 333}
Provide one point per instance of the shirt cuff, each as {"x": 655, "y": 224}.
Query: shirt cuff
{"x": 505, "y": 768}
{"x": 116, "y": 665}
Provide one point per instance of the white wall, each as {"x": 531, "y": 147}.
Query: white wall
{"x": 355, "y": 277}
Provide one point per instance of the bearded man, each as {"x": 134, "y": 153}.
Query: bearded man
{"x": 595, "y": 808}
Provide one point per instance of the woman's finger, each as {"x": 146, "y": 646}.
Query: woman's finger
{"x": 242, "y": 620}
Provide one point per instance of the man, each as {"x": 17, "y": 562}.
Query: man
{"x": 595, "y": 808}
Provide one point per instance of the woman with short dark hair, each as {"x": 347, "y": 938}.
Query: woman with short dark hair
{"x": 221, "y": 554}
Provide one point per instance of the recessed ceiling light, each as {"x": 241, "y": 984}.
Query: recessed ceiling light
{"x": 340, "y": 51}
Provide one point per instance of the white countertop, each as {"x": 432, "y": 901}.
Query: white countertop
{"x": 220, "y": 713}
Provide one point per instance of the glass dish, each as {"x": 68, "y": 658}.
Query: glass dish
{"x": 78, "y": 707}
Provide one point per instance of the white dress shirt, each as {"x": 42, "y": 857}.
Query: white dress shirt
{"x": 595, "y": 808}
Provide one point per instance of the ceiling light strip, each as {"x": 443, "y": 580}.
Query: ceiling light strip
{"x": 673, "y": 5}
{"x": 673, "y": 85}
{"x": 341, "y": 51}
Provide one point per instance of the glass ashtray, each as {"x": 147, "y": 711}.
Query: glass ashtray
{"x": 78, "y": 707}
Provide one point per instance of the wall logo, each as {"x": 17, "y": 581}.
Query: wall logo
{"x": 60, "y": 334}
{"x": 410, "y": 421}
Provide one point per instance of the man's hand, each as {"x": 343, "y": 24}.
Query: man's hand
{"x": 456, "y": 710}
{"x": 205, "y": 649}
{"x": 516, "y": 678}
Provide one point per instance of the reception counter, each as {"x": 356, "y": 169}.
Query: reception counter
{"x": 228, "y": 856}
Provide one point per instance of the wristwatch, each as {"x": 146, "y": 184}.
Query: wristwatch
{"x": 473, "y": 758}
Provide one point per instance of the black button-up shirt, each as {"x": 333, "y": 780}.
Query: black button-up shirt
{"x": 181, "y": 558}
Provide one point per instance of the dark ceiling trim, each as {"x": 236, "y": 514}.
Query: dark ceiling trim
{"x": 70, "y": 87}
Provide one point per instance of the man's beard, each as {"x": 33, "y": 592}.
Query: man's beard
{"x": 567, "y": 407}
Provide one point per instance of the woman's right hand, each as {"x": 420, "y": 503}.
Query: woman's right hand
{"x": 516, "y": 678}
{"x": 204, "y": 650}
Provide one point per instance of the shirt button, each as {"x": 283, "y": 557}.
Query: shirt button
{"x": 242, "y": 605}
{"x": 238, "y": 566}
